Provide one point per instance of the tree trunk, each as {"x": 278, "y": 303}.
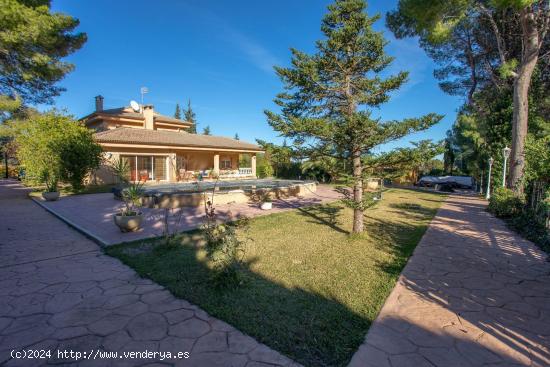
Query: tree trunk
{"x": 357, "y": 191}
{"x": 522, "y": 83}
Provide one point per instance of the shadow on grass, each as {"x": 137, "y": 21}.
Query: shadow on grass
{"x": 412, "y": 208}
{"x": 324, "y": 214}
{"x": 313, "y": 329}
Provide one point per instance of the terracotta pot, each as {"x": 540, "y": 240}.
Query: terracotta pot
{"x": 50, "y": 196}
{"x": 267, "y": 205}
{"x": 128, "y": 223}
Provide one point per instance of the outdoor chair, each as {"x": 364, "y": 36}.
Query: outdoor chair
{"x": 181, "y": 174}
{"x": 143, "y": 175}
{"x": 188, "y": 176}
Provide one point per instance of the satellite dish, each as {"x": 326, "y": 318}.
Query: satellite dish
{"x": 135, "y": 106}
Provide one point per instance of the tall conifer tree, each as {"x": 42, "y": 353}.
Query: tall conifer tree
{"x": 191, "y": 117}
{"x": 329, "y": 95}
{"x": 177, "y": 113}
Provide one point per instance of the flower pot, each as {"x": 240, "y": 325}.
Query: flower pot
{"x": 267, "y": 205}
{"x": 51, "y": 195}
{"x": 128, "y": 223}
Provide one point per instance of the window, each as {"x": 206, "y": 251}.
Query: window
{"x": 225, "y": 163}
{"x": 131, "y": 162}
{"x": 159, "y": 165}
{"x": 145, "y": 168}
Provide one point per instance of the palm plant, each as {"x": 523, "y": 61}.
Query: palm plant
{"x": 120, "y": 169}
{"x": 132, "y": 199}
{"x": 51, "y": 182}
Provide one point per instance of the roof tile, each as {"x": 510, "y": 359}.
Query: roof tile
{"x": 127, "y": 135}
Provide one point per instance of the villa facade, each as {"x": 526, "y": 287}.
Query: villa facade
{"x": 159, "y": 149}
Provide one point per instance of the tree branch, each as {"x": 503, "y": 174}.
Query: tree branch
{"x": 499, "y": 39}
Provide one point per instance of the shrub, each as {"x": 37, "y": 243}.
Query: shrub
{"x": 53, "y": 146}
{"x": 224, "y": 249}
{"x": 13, "y": 171}
{"x": 79, "y": 154}
{"x": 533, "y": 227}
{"x": 504, "y": 203}
{"x": 265, "y": 170}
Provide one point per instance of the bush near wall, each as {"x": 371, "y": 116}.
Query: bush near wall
{"x": 529, "y": 222}
{"x": 533, "y": 227}
{"x": 504, "y": 203}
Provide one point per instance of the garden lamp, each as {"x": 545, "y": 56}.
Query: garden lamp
{"x": 488, "y": 194}
{"x": 506, "y": 153}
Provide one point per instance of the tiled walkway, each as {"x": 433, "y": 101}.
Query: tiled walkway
{"x": 94, "y": 213}
{"x": 58, "y": 292}
{"x": 473, "y": 294}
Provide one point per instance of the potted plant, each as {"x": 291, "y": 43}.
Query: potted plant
{"x": 129, "y": 218}
{"x": 51, "y": 193}
{"x": 266, "y": 202}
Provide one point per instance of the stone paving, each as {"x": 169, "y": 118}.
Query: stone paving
{"x": 473, "y": 294}
{"x": 94, "y": 213}
{"x": 59, "y": 292}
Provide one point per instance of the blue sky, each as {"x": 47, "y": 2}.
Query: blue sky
{"x": 220, "y": 55}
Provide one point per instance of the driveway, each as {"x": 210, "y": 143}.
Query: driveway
{"x": 59, "y": 293}
{"x": 473, "y": 294}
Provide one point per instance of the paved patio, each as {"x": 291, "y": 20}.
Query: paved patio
{"x": 473, "y": 294}
{"x": 59, "y": 292}
{"x": 94, "y": 213}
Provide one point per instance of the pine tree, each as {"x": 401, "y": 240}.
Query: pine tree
{"x": 34, "y": 41}
{"x": 206, "y": 130}
{"x": 236, "y": 136}
{"x": 190, "y": 116}
{"x": 177, "y": 113}
{"x": 498, "y": 42}
{"x": 328, "y": 95}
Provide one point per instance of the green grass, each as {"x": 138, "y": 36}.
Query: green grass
{"x": 311, "y": 290}
{"x": 66, "y": 190}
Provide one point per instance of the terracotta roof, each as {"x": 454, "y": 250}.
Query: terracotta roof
{"x": 128, "y": 112}
{"x": 128, "y": 135}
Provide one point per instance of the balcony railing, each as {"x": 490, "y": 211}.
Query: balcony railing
{"x": 245, "y": 171}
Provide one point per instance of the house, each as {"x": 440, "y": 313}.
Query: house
{"x": 159, "y": 149}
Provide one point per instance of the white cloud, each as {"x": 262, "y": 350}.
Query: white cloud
{"x": 254, "y": 51}
{"x": 408, "y": 57}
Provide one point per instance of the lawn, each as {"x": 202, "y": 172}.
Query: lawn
{"x": 311, "y": 290}
{"x": 66, "y": 190}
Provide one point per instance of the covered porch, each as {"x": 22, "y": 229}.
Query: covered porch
{"x": 175, "y": 156}
{"x": 178, "y": 165}
{"x": 193, "y": 165}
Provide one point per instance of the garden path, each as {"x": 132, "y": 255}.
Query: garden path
{"x": 473, "y": 294}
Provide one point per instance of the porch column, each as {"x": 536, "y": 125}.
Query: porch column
{"x": 253, "y": 165}
{"x": 172, "y": 173}
{"x": 216, "y": 163}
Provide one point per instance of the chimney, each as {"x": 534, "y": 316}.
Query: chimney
{"x": 98, "y": 103}
{"x": 149, "y": 114}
